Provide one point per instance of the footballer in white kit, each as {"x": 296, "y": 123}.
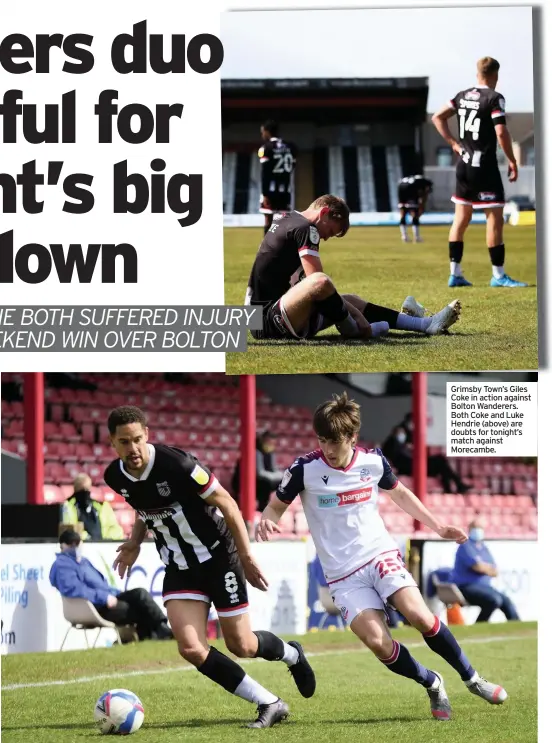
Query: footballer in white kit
{"x": 339, "y": 488}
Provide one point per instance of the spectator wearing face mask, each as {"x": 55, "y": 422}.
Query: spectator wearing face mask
{"x": 397, "y": 448}
{"x": 98, "y": 519}
{"x": 474, "y": 567}
{"x": 75, "y": 577}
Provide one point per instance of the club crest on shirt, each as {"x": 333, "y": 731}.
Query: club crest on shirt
{"x": 364, "y": 474}
{"x": 163, "y": 489}
{"x": 285, "y": 479}
{"x": 314, "y": 235}
{"x": 124, "y": 492}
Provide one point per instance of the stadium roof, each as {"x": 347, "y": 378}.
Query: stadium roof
{"x": 326, "y": 98}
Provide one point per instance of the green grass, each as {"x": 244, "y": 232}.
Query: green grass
{"x": 357, "y": 698}
{"x": 497, "y": 329}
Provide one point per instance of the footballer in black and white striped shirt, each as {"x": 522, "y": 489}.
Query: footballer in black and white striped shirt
{"x": 202, "y": 539}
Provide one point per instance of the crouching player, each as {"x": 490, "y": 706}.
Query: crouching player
{"x": 338, "y": 485}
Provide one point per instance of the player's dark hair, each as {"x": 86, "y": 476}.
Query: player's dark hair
{"x": 123, "y": 415}
{"x": 337, "y": 419}
{"x": 338, "y": 210}
{"x": 69, "y": 537}
{"x": 271, "y": 126}
{"x": 487, "y": 66}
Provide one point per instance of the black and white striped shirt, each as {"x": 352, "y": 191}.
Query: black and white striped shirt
{"x": 169, "y": 498}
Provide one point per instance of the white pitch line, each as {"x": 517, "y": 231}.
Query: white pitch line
{"x": 180, "y": 669}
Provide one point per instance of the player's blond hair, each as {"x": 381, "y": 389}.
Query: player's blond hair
{"x": 338, "y": 210}
{"x": 337, "y": 419}
{"x": 487, "y": 66}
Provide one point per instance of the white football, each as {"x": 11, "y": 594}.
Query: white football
{"x": 118, "y": 712}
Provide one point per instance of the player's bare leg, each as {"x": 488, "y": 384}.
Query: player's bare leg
{"x": 243, "y": 642}
{"x": 416, "y": 225}
{"x": 495, "y": 243}
{"x": 439, "y": 638}
{"x": 316, "y": 293}
{"x": 462, "y": 219}
{"x": 370, "y": 627}
{"x": 414, "y": 321}
{"x": 402, "y": 225}
{"x": 188, "y": 619}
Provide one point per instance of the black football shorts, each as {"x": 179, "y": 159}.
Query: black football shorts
{"x": 276, "y": 324}
{"x": 219, "y": 580}
{"x": 279, "y": 201}
{"x": 480, "y": 188}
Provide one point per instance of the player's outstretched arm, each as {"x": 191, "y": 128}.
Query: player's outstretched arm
{"x": 128, "y": 551}
{"x": 268, "y": 524}
{"x": 413, "y": 506}
{"x": 222, "y": 500}
{"x": 440, "y": 122}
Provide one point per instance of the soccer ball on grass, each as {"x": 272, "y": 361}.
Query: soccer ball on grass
{"x": 118, "y": 712}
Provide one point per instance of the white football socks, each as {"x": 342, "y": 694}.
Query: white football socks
{"x": 379, "y": 328}
{"x": 498, "y": 272}
{"x": 455, "y": 269}
{"x": 252, "y": 691}
{"x": 291, "y": 654}
{"x": 406, "y": 322}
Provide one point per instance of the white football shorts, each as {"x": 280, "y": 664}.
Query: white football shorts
{"x": 370, "y": 586}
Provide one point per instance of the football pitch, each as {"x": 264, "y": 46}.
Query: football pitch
{"x": 497, "y": 328}
{"x": 51, "y": 696}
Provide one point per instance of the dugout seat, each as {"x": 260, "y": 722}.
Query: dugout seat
{"x": 82, "y": 615}
{"x": 448, "y": 593}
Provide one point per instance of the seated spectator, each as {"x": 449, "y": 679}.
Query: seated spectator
{"x": 474, "y": 567}
{"x": 98, "y": 519}
{"x": 75, "y": 577}
{"x": 397, "y": 448}
{"x": 268, "y": 476}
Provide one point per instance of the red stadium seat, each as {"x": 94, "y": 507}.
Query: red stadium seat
{"x": 53, "y": 494}
{"x": 126, "y": 518}
{"x": 88, "y": 432}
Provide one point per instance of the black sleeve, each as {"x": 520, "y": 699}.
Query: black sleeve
{"x": 307, "y": 240}
{"x": 265, "y": 157}
{"x": 196, "y": 475}
{"x": 388, "y": 480}
{"x": 455, "y": 102}
{"x": 292, "y": 483}
{"x": 498, "y": 109}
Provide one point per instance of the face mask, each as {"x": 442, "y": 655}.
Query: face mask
{"x": 76, "y": 550}
{"x": 401, "y": 437}
{"x": 477, "y": 534}
{"x": 83, "y": 498}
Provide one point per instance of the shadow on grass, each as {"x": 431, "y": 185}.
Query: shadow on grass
{"x": 202, "y": 723}
{"x": 406, "y": 339}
